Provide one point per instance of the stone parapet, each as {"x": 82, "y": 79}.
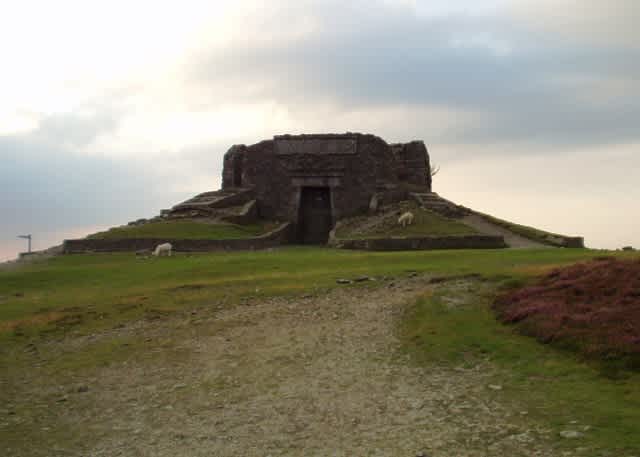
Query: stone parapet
{"x": 282, "y": 235}
{"x": 422, "y": 243}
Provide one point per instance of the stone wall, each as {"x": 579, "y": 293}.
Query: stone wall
{"x": 281, "y": 235}
{"x": 413, "y": 164}
{"x": 353, "y": 166}
{"x": 574, "y": 242}
{"x": 423, "y": 243}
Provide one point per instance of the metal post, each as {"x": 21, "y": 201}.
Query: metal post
{"x": 28, "y": 238}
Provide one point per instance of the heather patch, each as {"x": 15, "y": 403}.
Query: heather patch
{"x": 592, "y": 307}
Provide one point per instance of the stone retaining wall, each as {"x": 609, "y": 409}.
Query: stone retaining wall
{"x": 423, "y": 243}
{"x": 569, "y": 242}
{"x": 279, "y": 236}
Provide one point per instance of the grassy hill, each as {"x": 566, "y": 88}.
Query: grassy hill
{"x": 186, "y": 229}
{"x": 84, "y": 284}
{"x": 425, "y": 223}
{"x": 64, "y": 321}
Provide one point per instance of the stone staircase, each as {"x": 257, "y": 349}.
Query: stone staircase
{"x": 212, "y": 204}
{"x": 433, "y": 202}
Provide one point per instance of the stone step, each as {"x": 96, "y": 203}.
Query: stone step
{"x": 211, "y": 203}
{"x": 442, "y": 206}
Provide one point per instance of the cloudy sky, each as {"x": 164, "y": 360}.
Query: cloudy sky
{"x": 110, "y": 111}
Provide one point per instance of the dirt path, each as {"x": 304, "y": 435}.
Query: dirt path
{"x": 317, "y": 376}
{"x": 513, "y": 240}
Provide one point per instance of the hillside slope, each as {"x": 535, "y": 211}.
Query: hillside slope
{"x": 258, "y": 353}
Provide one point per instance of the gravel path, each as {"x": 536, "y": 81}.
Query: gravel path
{"x": 317, "y": 376}
{"x": 314, "y": 376}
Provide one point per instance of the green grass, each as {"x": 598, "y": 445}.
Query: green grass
{"x": 553, "y": 386}
{"x": 425, "y": 223}
{"x": 185, "y": 230}
{"x": 102, "y": 289}
{"x": 84, "y": 294}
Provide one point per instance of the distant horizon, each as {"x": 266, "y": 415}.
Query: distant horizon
{"x": 45, "y": 240}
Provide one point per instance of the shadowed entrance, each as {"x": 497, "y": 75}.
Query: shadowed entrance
{"x": 314, "y": 217}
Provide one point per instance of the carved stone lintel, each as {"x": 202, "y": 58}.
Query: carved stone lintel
{"x": 315, "y": 146}
{"x": 310, "y": 163}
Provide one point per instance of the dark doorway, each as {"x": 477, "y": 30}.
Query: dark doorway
{"x": 237, "y": 170}
{"x": 314, "y": 217}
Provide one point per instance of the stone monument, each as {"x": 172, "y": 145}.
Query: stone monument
{"x": 315, "y": 180}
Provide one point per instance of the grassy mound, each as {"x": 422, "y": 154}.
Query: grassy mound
{"x": 425, "y": 223}
{"x": 593, "y": 308}
{"x": 185, "y": 230}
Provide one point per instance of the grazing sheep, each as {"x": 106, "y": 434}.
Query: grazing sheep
{"x": 406, "y": 219}
{"x": 163, "y": 249}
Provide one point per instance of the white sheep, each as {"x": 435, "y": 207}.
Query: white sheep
{"x": 163, "y": 249}
{"x": 406, "y": 219}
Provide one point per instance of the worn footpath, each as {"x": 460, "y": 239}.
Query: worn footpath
{"x": 318, "y": 375}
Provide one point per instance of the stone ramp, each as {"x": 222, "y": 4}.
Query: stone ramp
{"x": 512, "y": 240}
{"x": 433, "y": 202}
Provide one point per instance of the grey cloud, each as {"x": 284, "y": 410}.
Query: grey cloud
{"x": 596, "y": 22}
{"x": 45, "y": 186}
{"x": 74, "y": 129}
{"x": 362, "y": 56}
{"x": 100, "y": 115}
